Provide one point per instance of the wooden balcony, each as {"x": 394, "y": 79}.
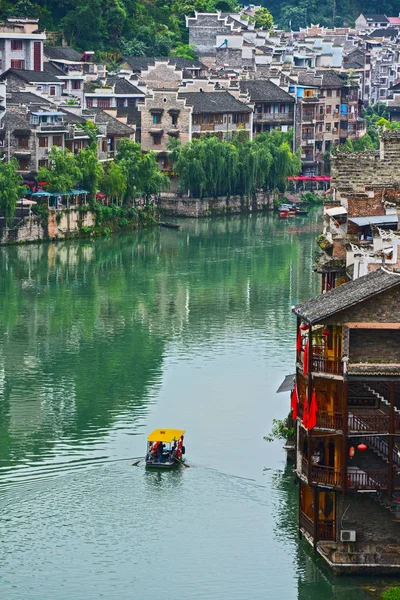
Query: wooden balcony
{"x": 306, "y": 523}
{"x": 322, "y": 364}
{"x": 321, "y": 474}
{"x": 373, "y": 479}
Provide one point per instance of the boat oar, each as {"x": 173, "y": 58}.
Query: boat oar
{"x": 135, "y": 464}
{"x": 182, "y": 463}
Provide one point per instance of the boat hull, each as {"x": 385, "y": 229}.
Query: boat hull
{"x": 162, "y": 465}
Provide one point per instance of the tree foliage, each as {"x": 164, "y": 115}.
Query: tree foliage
{"x": 262, "y": 19}
{"x": 63, "y": 173}
{"x": 10, "y": 189}
{"x": 90, "y": 168}
{"x": 209, "y": 166}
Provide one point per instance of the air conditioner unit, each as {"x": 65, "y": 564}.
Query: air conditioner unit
{"x": 46, "y": 151}
{"x": 347, "y": 535}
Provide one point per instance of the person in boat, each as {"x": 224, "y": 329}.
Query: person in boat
{"x": 160, "y": 451}
{"x": 173, "y": 450}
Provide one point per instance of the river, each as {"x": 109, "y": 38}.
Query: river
{"x": 103, "y": 340}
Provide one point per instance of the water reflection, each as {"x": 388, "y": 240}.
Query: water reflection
{"x": 104, "y": 340}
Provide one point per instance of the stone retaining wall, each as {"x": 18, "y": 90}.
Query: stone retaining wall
{"x": 206, "y": 207}
{"x": 37, "y": 228}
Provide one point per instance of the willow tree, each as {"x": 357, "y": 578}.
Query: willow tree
{"x": 63, "y": 173}
{"x": 91, "y": 169}
{"x": 10, "y": 190}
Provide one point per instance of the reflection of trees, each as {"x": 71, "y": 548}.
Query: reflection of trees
{"x": 84, "y": 326}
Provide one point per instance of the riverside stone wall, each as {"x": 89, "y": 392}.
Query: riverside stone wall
{"x": 206, "y": 207}
{"x": 38, "y": 228}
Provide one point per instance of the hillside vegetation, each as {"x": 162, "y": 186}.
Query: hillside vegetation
{"x": 157, "y": 27}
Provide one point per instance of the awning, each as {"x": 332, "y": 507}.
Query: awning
{"x": 26, "y": 202}
{"x": 165, "y": 435}
{"x": 286, "y": 384}
{"x": 335, "y": 212}
{"x": 375, "y": 220}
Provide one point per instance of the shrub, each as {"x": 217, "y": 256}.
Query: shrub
{"x": 123, "y": 222}
{"x": 391, "y": 594}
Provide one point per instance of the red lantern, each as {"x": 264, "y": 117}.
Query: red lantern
{"x": 303, "y": 327}
{"x": 362, "y": 447}
{"x": 351, "y": 451}
{"x": 326, "y": 332}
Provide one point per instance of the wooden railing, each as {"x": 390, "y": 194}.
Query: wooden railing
{"x": 322, "y": 474}
{"x": 322, "y": 364}
{"x": 306, "y": 522}
{"x": 373, "y": 479}
{"x": 368, "y": 422}
{"x": 326, "y": 530}
{"x": 332, "y": 421}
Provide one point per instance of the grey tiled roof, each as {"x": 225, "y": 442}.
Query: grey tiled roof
{"x": 134, "y": 116}
{"x": 377, "y": 18}
{"x": 214, "y": 102}
{"x": 27, "y": 98}
{"x": 141, "y": 63}
{"x": 31, "y": 76}
{"x": 347, "y": 295}
{"x": 58, "y": 53}
{"x": 265, "y": 91}
{"x": 114, "y": 126}
{"x": 123, "y": 86}
{"x": 387, "y": 32}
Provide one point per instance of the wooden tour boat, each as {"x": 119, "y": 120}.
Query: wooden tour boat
{"x": 165, "y": 448}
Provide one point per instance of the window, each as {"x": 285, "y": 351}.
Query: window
{"x": 329, "y": 93}
{"x": 23, "y": 142}
{"x": 103, "y": 103}
{"x": 174, "y": 119}
{"x": 16, "y": 44}
{"x": 65, "y": 85}
{"x": 258, "y": 108}
{"x": 52, "y": 90}
{"x": 44, "y": 163}
{"x": 57, "y": 140}
{"x": 89, "y": 102}
{"x": 76, "y": 84}
{"x": 282, "y": 108}
{"x": 17, "y": 64}
{"x": 156, "y": 119}
{"x": 23, "y": 164}
{"x": 328, "y": 127}
{"x": 267, "y": 108}
{"x": 328, "y": 109}
{"x": 196, "y": 119}
{"x": 157, "y": 140}
{"x": 43, "y": 142}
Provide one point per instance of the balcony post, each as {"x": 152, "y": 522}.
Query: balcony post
{"x": 345, "y": 423}
{"x": 391, "y": 440}
{"x": 316, "y": 515}
{"x": 309, "y": 394}
{"x": 298, "y": 321}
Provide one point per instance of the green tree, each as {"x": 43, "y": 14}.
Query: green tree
{"x": 262, "y": 19}
{"x": 150, "y": 180}
{"x": 187, "y": 51}
{"x": 10, "y": 189}
{"x": 63, "y": 173}
{"x": 128, "y": 158}
{"x": 113, "y": 182}
{"x": 91, "y": 169}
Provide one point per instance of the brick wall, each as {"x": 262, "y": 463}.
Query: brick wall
{"x": 374, "y": 346}
{"x": 357, "y": 171}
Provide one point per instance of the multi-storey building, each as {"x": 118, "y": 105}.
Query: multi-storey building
{"x": 273, "y": 107}
{"x": 346, "y": 405}
{"x": 21, "y": 45}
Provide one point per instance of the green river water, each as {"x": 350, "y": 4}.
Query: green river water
{"x": 102, "y": 341}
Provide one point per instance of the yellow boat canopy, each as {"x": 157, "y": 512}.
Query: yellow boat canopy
{"x": 165, "y": 435}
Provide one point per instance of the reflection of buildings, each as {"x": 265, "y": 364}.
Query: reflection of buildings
{"x": 348, "y": 424}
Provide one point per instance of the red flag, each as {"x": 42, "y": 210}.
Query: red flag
{"x": 298, "y": 341}
{"x": 294, "y": 401}
{"x": 305, "y": 410}
{"x": 305, "y": 359}
{"x": 312, "y": 414}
